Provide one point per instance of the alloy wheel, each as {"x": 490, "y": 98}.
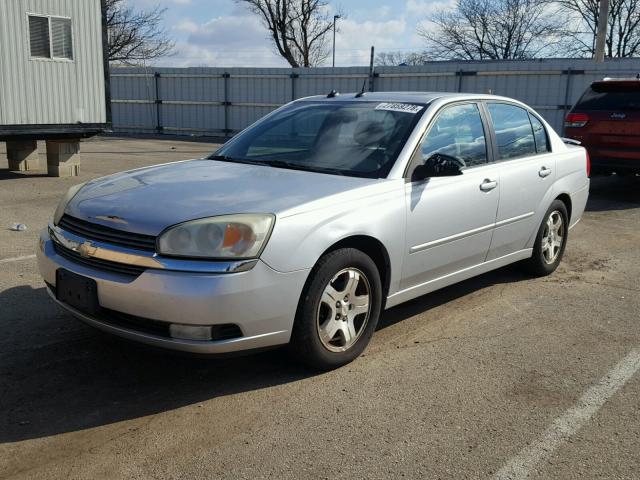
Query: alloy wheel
{"x": 344, "y": 310}
{"x": 553, "y": 237}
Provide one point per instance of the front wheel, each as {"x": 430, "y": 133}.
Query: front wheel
{"x": 550, "y": 241}
{"x": 339, "y": 310}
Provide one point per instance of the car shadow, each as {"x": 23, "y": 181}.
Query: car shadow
{"x": 509, "y": 274}
{"x": 614, "y": 192}
{"x": 58, "y": 375}
{"x": 6, "y": 174}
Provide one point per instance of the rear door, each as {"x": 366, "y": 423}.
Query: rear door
{"x": 527, "y": 173}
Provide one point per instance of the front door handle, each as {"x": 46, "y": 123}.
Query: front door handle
{"x": 488, "y": 185}
{"x": 544, "y": 172}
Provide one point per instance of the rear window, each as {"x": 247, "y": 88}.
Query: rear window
{"x": 613, "y": 96}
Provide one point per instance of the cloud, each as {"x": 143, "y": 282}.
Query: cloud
{"x": 232, "y": 41}
{"x": 423, "y": 8}
{"x": 238, "y": 38}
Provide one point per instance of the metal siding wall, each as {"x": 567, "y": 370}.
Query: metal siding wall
{"x": 51, "y": 91}
{"x": 193, "y": 98}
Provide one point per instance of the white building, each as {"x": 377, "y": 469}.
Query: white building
{"x": 53, "y": 80}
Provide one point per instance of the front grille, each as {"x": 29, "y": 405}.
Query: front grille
{"x": 98, "y": 264}
{"x": 100, "y": 233}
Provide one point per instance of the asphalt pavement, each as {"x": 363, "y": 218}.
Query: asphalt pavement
{"x": 501, "y": 376}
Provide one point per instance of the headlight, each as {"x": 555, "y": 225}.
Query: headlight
{"x": 65, "y": 200}
{"x": 227, "y": 236}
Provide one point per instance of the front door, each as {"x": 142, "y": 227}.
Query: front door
{"x": 450, "y": 219}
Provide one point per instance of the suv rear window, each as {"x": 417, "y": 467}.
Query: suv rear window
{"x": 610, "y": 96}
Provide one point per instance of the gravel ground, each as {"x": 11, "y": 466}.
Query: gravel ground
{"x": 453, "y": 385}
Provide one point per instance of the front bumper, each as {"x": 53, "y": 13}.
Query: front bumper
{"x": 261, "y": 301}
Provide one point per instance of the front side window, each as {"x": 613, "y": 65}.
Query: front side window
{"x": 50, "y": 37}
{"x": 346, "y": 138}
{"x": 457, "y": 132}
{"x": 514, "y": 134}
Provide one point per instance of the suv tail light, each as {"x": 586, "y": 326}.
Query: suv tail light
{"x": 588, "y": 163}
{"x": 576, "y": 120}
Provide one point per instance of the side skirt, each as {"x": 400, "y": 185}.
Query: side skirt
{"x": 455, "y": 277}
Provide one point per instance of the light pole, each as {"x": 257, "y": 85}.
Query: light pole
{"x": 335, "y": 17}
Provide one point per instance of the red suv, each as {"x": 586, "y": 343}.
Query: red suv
{"x": 606, "y": 120}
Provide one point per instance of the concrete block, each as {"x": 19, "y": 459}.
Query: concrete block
{"x": 23, "y": 155}
{"x": 63, "y": 158}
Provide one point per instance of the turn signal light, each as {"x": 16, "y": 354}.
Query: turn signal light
{"x": 576, "y": 120}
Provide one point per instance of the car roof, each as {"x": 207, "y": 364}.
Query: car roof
{"x": 413, "y": 97}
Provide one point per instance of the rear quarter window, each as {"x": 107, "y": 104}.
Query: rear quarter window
{"x": 539, "y": 135}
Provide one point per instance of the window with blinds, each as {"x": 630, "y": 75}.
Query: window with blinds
{"x": 61, "y": 38}
{"x": 39, "y": 36}
{"x": 50, "y": 37}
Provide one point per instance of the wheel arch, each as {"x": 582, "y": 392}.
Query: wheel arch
{"x": 375, "y": 249}
{"x": 566, "y": 199}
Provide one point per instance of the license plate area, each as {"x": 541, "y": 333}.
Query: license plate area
{"x": 77, "y": 291}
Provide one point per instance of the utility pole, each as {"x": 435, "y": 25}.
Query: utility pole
{"x": 601, "y": 38}
{"x": 336, "y": 17}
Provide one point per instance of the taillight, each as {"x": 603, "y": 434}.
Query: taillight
{"x": 588, "y": 163}
{"x": 576, "y": 120}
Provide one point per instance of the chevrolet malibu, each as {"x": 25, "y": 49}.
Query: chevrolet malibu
{"x": 306, "y": 226}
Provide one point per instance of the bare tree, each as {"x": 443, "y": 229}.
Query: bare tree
{"x": 494, "y": 29}
{"x": 135, "y": 35}
{"x": 299, "y": 28}
{"x": 623, "y": 30}
{"x": 390, "y": 59}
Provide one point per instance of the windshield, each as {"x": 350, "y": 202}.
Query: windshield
{"x": 345, "y": 138}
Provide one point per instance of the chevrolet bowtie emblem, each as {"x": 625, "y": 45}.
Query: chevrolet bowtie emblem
{"x": 86, "y": 249}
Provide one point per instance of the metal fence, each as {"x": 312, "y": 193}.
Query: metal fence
{"x": 220, "y": 102}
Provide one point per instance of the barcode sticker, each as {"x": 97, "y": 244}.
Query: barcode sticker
{"x": 400, "y": 107}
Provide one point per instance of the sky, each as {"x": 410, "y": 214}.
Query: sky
{"x": 223, "y": 33}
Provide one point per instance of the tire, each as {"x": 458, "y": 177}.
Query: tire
{"x": 335, "y": 321}
{"x": 547, "y": 253}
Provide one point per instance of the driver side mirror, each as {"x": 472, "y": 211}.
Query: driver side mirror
{"x": 438, "y": 165}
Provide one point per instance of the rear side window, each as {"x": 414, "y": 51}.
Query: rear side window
{"x": 514, "y": 133}
{"x": 458, "y": 132}
{"x": 540, "y": 135}
{"x": 610, "y": 96}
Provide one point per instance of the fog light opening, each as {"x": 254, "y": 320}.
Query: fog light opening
{"x": 189, "y": 332}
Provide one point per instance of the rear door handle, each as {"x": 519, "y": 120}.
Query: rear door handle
{"x": 544, "y": 172}
{"x": 488, "y": 185}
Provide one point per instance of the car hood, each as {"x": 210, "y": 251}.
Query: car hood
{"x": 150, "y": 199}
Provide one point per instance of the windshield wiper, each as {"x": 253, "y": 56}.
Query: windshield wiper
{"x": 277, "y": 164}
{"x": 297, "y": 166}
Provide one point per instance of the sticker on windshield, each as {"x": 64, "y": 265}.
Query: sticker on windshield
{"x": 400, "y": 107}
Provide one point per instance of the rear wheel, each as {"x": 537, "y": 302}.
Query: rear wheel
{"x": 550, "y": 241}
{"x": 338, "y": 311}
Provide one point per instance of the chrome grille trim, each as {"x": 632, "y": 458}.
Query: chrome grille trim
{"x": 101, "y": 233}
{"x": 85, "y": 248}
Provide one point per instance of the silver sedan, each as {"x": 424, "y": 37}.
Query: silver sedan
{"x": 303, "y": 228}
